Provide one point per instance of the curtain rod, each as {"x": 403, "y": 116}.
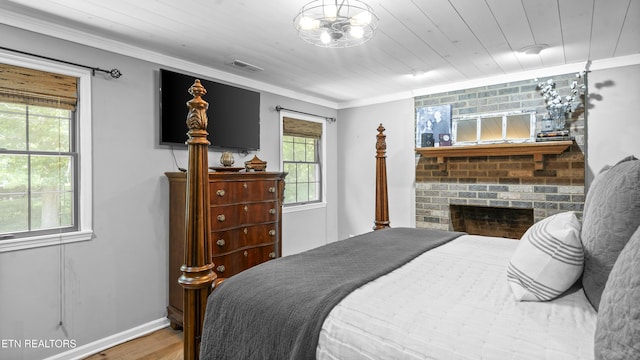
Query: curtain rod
{"x": 115, "y": 73}
{"x": 330, "y": 119}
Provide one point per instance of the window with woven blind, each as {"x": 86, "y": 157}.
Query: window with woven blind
{"x": 38, "y": 153}
{"x": 26, "y": 86}
{"x": 302, "y": 160}
{"x": 296, "y": 127}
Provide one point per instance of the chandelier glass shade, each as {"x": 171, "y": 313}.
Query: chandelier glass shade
{"x": 336, "y": 24}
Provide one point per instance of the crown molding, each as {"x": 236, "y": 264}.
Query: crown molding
{"x": 500, "y": 79}
{"x": 615, "y": 62}
{"x": 376, "y": 100}
{"x": 525, "y": 75}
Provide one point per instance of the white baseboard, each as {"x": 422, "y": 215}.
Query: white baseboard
{"x": 89, "y": 349}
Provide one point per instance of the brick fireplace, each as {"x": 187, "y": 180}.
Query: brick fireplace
{"x": 520, "y": 183}
{"x": 505, "y": 179}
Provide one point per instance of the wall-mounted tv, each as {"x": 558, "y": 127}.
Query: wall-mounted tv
{"x": 234, "y": 113}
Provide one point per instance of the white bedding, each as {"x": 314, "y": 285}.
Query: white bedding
{"x": 454, "y": 302}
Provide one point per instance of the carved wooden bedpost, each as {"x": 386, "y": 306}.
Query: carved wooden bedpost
{"x": 382, "y": 206}
{"x": 197, "y": 275}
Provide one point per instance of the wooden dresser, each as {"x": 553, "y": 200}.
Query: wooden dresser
{"x": 246, "y": 225}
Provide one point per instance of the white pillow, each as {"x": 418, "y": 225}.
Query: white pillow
{"x": 548, "y": 260}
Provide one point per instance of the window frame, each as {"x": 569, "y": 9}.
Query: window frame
{"x": 82, "y": 138}
{"x": 504, "y": 115}
{"x": 322, "y": 162}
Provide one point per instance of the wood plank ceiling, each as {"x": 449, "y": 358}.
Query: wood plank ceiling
{"x": 448, "y": 40}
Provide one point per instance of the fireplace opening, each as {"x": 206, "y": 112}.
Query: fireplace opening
{"x": 491, "y": 221}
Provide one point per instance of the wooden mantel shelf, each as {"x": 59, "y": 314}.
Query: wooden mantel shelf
{"x": 537, "y": 149}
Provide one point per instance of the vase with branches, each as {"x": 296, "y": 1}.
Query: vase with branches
{"x": 560, "y": 107}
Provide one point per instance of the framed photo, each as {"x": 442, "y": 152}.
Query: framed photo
{"x": 433, "y": 120}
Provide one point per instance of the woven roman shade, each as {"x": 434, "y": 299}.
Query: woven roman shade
{"x": 35, "y": 87}
{"x": 295, "y": 127}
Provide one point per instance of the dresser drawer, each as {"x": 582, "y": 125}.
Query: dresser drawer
{"x": 229, "y": 240}
{"x": 227, "y": 216}
{"x": 228, "y": 192}
{"x": 231, "y": 264}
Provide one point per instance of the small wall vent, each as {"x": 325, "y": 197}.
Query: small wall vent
{"x": 245, "y": 66}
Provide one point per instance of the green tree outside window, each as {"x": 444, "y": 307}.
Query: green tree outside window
{"x": 37, "y": 185}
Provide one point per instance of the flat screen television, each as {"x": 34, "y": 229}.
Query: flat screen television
{"x": 233, "y": 114}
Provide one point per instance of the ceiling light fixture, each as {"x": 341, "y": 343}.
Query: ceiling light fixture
{"x": 336, "y": 24}
{"x": 533, "y": 49}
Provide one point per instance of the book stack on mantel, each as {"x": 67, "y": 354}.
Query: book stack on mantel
{"x": 560, "y": 135}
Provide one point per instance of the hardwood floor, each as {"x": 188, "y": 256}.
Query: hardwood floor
{"x": 163, "y": 344}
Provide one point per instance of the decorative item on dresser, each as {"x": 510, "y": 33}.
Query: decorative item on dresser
{"x": 245, "y": 225}
{"x": 227, "y": 159}
{"x": 255, "y": 164}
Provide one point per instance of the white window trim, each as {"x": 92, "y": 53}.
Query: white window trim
{"x": 303, "y": 207}
{"x": 504, "y": 115}
{"x": 323, "y": 154}
{"x": 84, "y": 149}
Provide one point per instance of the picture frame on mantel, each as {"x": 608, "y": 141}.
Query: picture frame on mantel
{"x": 431, "y": 121}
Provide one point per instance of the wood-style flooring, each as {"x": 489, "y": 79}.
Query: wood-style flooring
{"x": 163, "y": 344}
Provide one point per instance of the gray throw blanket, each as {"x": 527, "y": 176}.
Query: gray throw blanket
{"x": 276, "y": 310}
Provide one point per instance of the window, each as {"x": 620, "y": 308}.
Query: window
{"x": 302, "y": 160}
{"x": 494, "y": 128}
{"x": 45, "y": 192}
{"x": 37, "y": 188}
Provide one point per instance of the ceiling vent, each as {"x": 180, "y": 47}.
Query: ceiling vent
{"x": 246, "y": 66}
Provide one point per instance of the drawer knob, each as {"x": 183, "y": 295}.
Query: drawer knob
{"x": 272, "y": 255}
{"x": 272, "y": 232}
{"x": 272, "y": 189}
{"x": 220, "y": 218}
{"x": 272, "y": 211}
{"x": 246, "y": 231}
{"x": 245, "y": 253}
{"x": 220, "y": 242}
{"x": 220, "y": 193}
{"x": 245, "y": 185}
{"x": 246, "y": 208}
{"x": 220, "y": 268}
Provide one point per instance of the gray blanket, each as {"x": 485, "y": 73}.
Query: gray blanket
{"x": 276, "y": 310}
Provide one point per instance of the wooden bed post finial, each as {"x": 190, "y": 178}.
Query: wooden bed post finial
{"x": 382, "y": 200}
{"x": 197, "y": 270}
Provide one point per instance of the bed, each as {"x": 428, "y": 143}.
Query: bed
{"x": 568, "y": 289}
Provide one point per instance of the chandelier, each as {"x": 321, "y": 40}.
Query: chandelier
{"x": 336, "y": 24}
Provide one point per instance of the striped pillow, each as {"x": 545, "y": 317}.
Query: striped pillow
{"x": 548, "y": 260}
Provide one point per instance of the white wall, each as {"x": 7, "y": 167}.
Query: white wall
{"x": 118, "y": 280}
{"x": 613, "y": 124}
{"x": 357, "y": 130}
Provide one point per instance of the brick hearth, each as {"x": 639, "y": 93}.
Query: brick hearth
{"x": 500, "y": 182}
